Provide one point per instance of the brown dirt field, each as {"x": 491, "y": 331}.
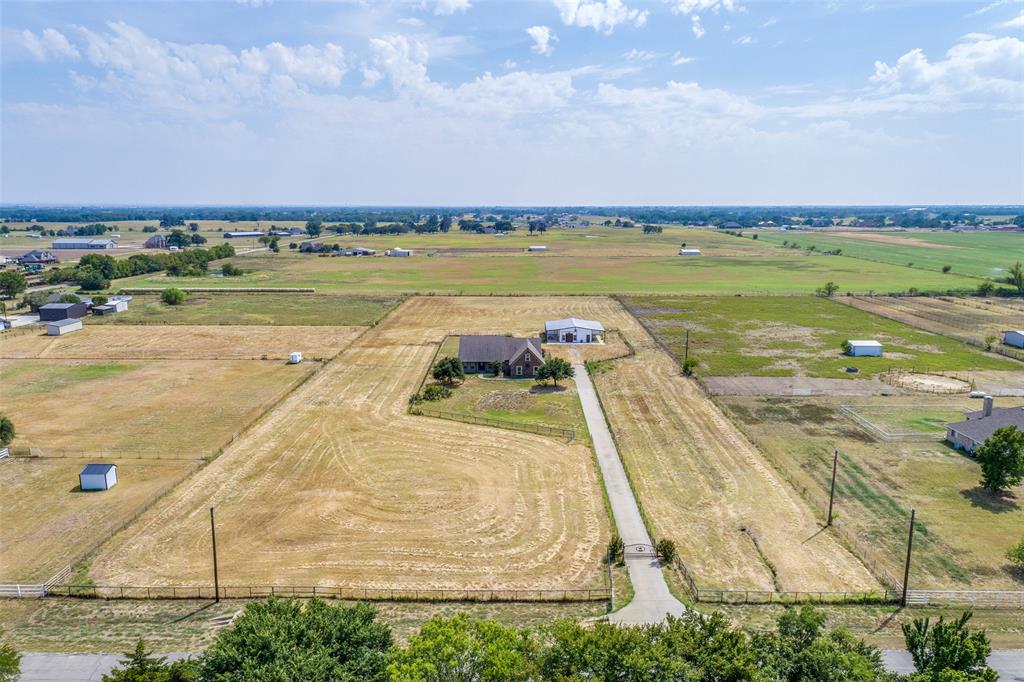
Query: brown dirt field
{"x": 893, "y": 239}
{"x": 930, "y": 383}
{"x": 340, "y": 486}
{"x": 173, "y": 409}
{"x": 115, "y": 342}
{"x": 48, "y": 524}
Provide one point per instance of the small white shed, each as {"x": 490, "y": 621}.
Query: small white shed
{"x": 536, "y": 247}
{"x": 400, "y": 252}
{"x": 98, "y": 477}
{"x": 61, "y": 327}
{"x": 689, "y": 252}
{"x": 294, "y": 358}
{"x": 1014, "y": 337}
{"x": 859, "y": 348}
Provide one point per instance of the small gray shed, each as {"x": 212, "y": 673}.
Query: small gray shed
{"x": 98, "y": 477}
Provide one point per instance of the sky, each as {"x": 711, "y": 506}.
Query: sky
{"x": 542, "y": 102}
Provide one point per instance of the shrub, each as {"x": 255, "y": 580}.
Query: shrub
{"x": 946, "y": 268}
{"x": 7, "y": 432}
{"x": 1016, "y": 554}
{"x": 666, "y": 550}
{"x": 92, "y": 280}
{"x": 847, "y": 348}
{"x": 69, "y": 298}
{"x": 616, "y": 549}
{"x": 230, "y": 270}
{"x": 689, "y": 365}
{"x": 436, "y": 392}
{"x": 99, "y": 300}
{"x": 173, "y": 296}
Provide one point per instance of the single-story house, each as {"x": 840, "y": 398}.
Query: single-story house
{"x": 61, "y": 327}
{"x": 864, "y": 347}
{"x": 287, "y": 232}
{"x": 83, "y": 243}
{"x": 518, "y": 357}
{"x": 1014, "y": 337}
{"x": 969, "y": 434}
{"x": 358, "y": 251}
{"x": 689, "y": 252}
{"x": 157, "y": 241}
{"x": 537, "y": 247}
{"x": 399, "y": 252}
{"x": 573, "y": 330}
{"x": 243, "y": 234}
{"x": 37, "y": 257}
{"x": 52, "y": 312}
{"x": 731, "y": 225}
{"x": 98, "y": 477}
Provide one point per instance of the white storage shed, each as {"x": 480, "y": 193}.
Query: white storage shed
{"x": 294, "y": 358}
{"x": 860, "y": 348}
{"x": 98, "y": 477}
{"x": 61, "y": 327}
{"x": 400, "y": 252}
{"x": 689, "y": 252}
{"x": 536, "y": 247}
{"x": 1014, "y": 337}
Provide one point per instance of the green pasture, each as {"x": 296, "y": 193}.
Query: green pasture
{"x": 36, "y": 378}
{"x": 978, "y": 254}
{"x": 796, "y": 336}
{"x": 256, "y": 309}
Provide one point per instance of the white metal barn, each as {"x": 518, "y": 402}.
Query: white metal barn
{"x": 536, "y": 247}
{"x": 400, "y": 252}
{"x": 98, "y": 477}
{"x": 1014, "y": 337}
{"x": 294, "y": 358}
{"x": 860, "y": 348}
{"x": 61, "y": 327}
{"x": 689, "y": 252}
{"x": 573, "y": 330}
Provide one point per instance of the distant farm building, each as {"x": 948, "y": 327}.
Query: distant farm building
{"x": 1014, "y": 337}
{"x": 573, "y": 330}
{"x": 971, "y": 433}
{"x": 517, "y": 357}
{"x": 51, "y": 312}
{"x": 689, "y": 252}
{"x": 731, "y": 225}
{"x": 287, "y": 232}
{"x": 536, "y": 248}
{"x": 243, "y": 234}
{"x": 98, "y": 477}
{"x": 110, "y": 307}
{"x": 294, "y": 358}
{"x": 82, "y": 243}
{"x": 157, "y": 241}
{"x": 358, "y": 251}
{"x": 37, "y": 257}
{"x": 398, "y": 252}
{"x": 864, "y": 348}
{"x": 62, "y": 327}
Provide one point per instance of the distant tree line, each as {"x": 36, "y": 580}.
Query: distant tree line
{"x": 95, "y": 271}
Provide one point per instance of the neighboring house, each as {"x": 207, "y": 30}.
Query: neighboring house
{"x": 246, "y": 233}
{"x": 731, "y": 225}
{"x": 861, "y": 348}
{"x": 287, "y": 232}
{"x": 98, "y": 477}
{"x": 1014, "y": 337}
{"x": 37, "y": 257}
{"x": 157, "y": 241}
{"x": 62, "y": 327}
{"x": 83, "y": 243}
{"x": 51, "y": 312}
{"x": 358, "y": 251}
{"x": 518, "y": 357}
{"x": 573, "y": 330}
{"x": 399, "y": 252}
{"x": 689, "y": 252}
{"x": 969, "y": 434}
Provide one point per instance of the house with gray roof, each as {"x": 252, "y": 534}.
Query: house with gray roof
{"x": 573, "y": 330}
{"x": 969, "y": 434}
{"x": 518, "y": 357}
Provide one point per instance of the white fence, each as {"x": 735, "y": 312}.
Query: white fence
{"x": 5, "y": 453}
{"x": 996, "y": 598}
{"x": 34, "y": 591}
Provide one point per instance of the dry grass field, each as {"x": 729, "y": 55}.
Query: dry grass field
{"x": 49, "y": 523}
{"x": 117, "y": 342}
{"x": 339, "y": 485}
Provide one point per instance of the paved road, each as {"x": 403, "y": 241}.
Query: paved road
{"x": 652, "y": 600}
{"x": 1009, "y": 664}
{"x": 72, "y": 667}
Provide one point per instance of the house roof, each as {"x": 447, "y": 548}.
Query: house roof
{"x": 554, "y": 325}
{"x": 1014, "y": 331}
{"x": 97, "y": 469}
{"x": 979, "y": 428}
{"x": 82, "y": 240}
{"x": 67, "y": 322}
{"x": 58, "y": 306}
{"x": 489, "y": 348}
{"x": 865, "y": 343}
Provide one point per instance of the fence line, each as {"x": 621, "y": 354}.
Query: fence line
{"x": 34, "y": 591}
{"x": 222, "y": 290}
{"x": 992, "y": 598}
{"x": 881, "y": 434}
{"x": 540, "y": 429}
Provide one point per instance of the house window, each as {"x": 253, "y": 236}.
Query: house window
{"x": 519, "y": 370}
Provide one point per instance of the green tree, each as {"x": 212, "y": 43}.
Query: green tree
{"x": 462, "y": 648}
{"x": 1015, "y": 277}
{"x": 946, "y": 268}
{"x": 1002, "y": 459}
{"x": 140, "y": 665}
{"x": 178, "y": 238}
{"x": 285, "y": 640}
{"x": 448, "y": 370}
{"x": 172, "y": 296}
{"x": 99, "y": 300}
{"x": 554, "y": 369}
{"x": 496, "y": 367}
{"x": 985, "y": 289}
{"x": 314, "y": 228}
{"x": 12, "y": 283}
{"x": 91, "y": 280}
{"x": 829, "y": 290}
{"x": 1016, "y": 554}
{"x": 69, "y": 298}
{"x": 666, "y": 550}
{"x": 616, "y": 549}
{"x": 949, "y": 647}
{"x": 10, "y": 661}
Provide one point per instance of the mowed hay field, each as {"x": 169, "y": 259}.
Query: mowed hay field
{"x": 49, "y": 524}
{"x": 340, "y": 486}
{"x": 181, "y": 342}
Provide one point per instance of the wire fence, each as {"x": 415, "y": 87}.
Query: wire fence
{"x": 540, "y": 429}
{"x": 877, "y": 431}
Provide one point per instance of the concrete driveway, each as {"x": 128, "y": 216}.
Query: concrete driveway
{"x": 652, "y": 599}
{"x": 72, "y": 667}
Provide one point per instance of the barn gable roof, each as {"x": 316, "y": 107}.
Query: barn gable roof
{"x": 554, "y": 325}
{"x": 101, "y": 469}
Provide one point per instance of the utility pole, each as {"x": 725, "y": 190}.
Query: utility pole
{"x": 832, "y": 491}
{"x": 216, "y": 579}
{"x": 906, "y": 568}
{"x": 686, "y": 352}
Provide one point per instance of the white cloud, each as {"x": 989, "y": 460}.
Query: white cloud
{"x": 678, "y": 59}
{"x": 542, "y": 39}
{"x": 255, "y": 3}
{"x": 991, "y": 6}
{"x": 1016, "y": 22}
{"x": 743, "y": 40}
{"x": 51, "y": 44}
{"x": 411, "y": 21}
{"x": 636, "y": 55}
{"x": 726, "y": 28}
{"x": 509, "y": 64}
{"x": 676, "y": 98}
{"x": 371, "y": 76}
{"x": 696, "y": 6}
{"x": 600, "y": 15}
{"x": 770, "y": 22}
{"x": 448, "y": 7}
{"x": 697, "y": 27}
{"x": 978, "y": 36}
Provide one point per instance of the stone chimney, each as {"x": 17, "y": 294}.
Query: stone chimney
{"x": 986, "y": 411}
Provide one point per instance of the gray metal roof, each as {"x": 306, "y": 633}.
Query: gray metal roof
{"x": 58, "y": 306}
{"x": 553, "y": 325}
{"x": 97, "y": 469}
{"x": 65, "y": 322}
{"x": 490, "y": 348}
{"x": 979, "y": 428}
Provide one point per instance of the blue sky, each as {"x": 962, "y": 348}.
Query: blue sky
{"x": 485, "y": 102}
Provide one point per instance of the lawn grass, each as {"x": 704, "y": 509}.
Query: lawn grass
{"x": 256, "y": 309}
{"x": 981, "y": 254}
{"x": 796, "y": 336}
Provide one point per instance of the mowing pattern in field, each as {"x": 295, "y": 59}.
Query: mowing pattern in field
{"x": 339, "y": 485}
{"x": 142, "y": 342}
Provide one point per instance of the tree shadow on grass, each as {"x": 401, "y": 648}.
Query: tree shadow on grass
{"x": 1015, "y": 572}
{"x": 997, "y": 503}
{"x": 541, "y": 388}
